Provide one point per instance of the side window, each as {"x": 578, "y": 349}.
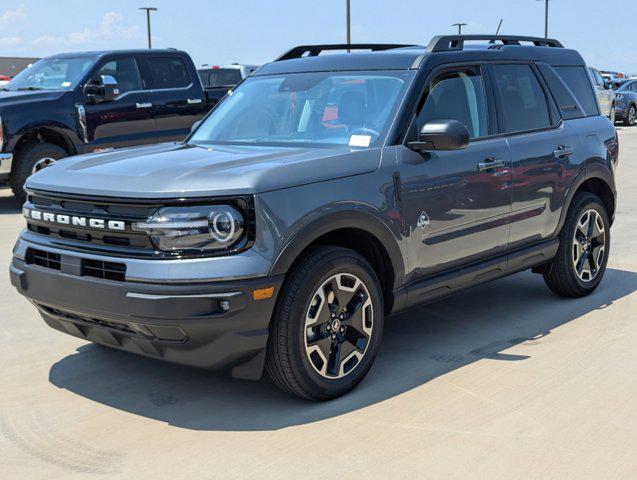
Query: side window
{"x": 580, "y": 86}
{"x": 633, "y": 86}
{"x": 125, "y": 72}
{"x": 168, "y": 72}
{"x": 524, "y": 103}
{"x": 457, "y": 95}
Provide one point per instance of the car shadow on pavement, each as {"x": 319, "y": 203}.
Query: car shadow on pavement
{"x": 8, "y": 204}
{"x": 418, "y": 346}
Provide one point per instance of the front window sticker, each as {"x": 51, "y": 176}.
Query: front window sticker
{"x": 360, "y": 140}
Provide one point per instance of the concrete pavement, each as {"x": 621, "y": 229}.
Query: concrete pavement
{"x": 505, "y": 380}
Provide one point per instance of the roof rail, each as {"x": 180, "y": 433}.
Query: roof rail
{"x": 445, "y": 43}
{"x": 314, "y": 50}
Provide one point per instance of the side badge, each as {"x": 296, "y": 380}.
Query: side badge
{"x": 423, "y": 221}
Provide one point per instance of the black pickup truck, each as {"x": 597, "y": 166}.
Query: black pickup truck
{"x": 75, "y": 103}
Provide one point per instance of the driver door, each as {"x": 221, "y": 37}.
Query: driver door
{"x": 456, "y": 204}
{"x": 127, "y": 120}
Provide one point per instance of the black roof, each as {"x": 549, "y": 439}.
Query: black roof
{"x": 442, "y": 49}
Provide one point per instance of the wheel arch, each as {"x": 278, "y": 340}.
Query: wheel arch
{"x": 361, "y": 232}
{"x": 597, "y": 179}
{"x": 46, "y": 134}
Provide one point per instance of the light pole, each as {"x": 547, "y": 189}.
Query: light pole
{"x": 348, "y": 38}
{"x": 459, "y": 25}
{"x": 148, "y": 10}
{"x": 546, "y": 17}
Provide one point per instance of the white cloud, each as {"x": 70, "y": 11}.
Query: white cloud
{"x": 10, "y": 41}
{"x": 111, "y": 28}
{"x": 12, "y": 16}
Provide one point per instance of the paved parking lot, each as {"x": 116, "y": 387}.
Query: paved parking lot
{"x": 505, "y": 380}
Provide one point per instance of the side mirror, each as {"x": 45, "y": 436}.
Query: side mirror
{"x": 102, "y": 89}
{"x": 195, "y": 126}
{"x": 441, "y": 135}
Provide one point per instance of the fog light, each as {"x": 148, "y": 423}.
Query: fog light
{"x": 224, "y": 305}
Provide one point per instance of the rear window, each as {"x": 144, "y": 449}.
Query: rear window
{"x": 168, "y": 72}
{"x": 220, "y": 77}
{"x": 579, "y": 84}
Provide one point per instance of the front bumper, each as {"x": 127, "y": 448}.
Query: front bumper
{"x": 185, "y": 323}
{"x": 6, "y": 160}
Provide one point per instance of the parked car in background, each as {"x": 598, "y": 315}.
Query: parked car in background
{"x": 4, "y": 79}
{"x": 605, "y": 95}
{"x": 75, "y": 103}
{"x": 218, "y": 79}
{"x": 626, "y": 101}
{"x": 611, "y": 77}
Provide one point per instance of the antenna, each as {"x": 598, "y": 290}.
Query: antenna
{"x": 497, "y": 32}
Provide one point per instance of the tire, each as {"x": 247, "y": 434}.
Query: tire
{"x": 302, "y": 350}
{"x": 26, "y": 159}
{"x": 563, "y": 277}
{"x": 631, "y": 116}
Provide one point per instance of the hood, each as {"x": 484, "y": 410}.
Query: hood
{"x": 180, "y": 170}
{"x": 12, "y": 97}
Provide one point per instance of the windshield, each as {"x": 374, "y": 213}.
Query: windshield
{"x": 313, "y": 109}
{"x": 52, "y": 74}
{"x": 626, "y": 85}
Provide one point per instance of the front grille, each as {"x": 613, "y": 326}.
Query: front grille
{"x": 43, "y": 259}
{"x": 85, "y": 236}
{"x": 105, "y": 270}
{"x": 72, "y": 265}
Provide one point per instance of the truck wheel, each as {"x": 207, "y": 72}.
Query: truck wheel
{"x": 582, "y": 256}
{"x": 327, "y": 325}
{"x": 30, "y": 159}
{"x": 631, "y": 116}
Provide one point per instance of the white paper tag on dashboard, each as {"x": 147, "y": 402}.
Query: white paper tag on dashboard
{"x": 360, "y": 140}
{"x": 66, "y": 84}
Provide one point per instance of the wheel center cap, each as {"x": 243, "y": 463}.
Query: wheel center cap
{"x": 336, "y": 325}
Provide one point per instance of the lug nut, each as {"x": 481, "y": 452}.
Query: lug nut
{"x": 341, "y": 317}
{"x": 328, "y": 327}
{"x": 334, "y": 336}
{"x": 342, "y": 329}
{"x": 333, "y": 315}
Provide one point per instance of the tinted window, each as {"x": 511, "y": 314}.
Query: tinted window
{"x": 457, "y": 96}
{"x": 580, "y": 86}
{"x": 220, "y": 77}
{"x": 125, "y": 72}
{"x": 168, "y": 72}
{"x": 523, "y": 101}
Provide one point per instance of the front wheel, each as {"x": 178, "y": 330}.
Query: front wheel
{"x": 582, "y": 256}
{"x": 631, "y": 116}
{"x": 327, "y": 326}
{"x": 29, "y": 160}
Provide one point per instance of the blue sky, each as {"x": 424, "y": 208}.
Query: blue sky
{"x": 252, "y": 31}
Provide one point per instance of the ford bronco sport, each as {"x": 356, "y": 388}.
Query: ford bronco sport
{"x": 323, "y": 194}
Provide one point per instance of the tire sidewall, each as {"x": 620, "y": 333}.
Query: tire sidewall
{"x": 24, "y": 162}
{"x": 588, "y": 203}
{"x": 343, "y": 263}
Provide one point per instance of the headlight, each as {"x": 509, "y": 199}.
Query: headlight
{"x": 197, "y": 229}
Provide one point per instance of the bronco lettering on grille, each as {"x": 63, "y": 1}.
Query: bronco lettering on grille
{"x": 61, "y": 219}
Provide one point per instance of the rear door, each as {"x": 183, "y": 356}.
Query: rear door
{"x": 604, "y": 95}
{"x": 456, "y": 204}
{"x": 177, "y": 96}
{"x": 542, "y": 147}
{"x": 122, "y": 122}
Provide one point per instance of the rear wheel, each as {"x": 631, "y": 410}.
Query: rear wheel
{"x": 327, "y": 325}
{"x": 631, "y": 116}
{"x": 582, "y": 256}
{"x": 29, "y": 160}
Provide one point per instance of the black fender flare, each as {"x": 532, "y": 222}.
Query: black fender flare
{"x": 70, "y": 138}
{"x": 335, "y": 221}
{"x": 592, "y": 170}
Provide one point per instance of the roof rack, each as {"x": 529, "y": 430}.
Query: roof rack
{"x": 446, "y": 43}
{"x": 314, "y": 50}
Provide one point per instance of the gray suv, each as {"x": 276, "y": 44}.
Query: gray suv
{"x": 325, "y": 193}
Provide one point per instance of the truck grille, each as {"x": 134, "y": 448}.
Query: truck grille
{"x": 83, "y": 236}
{"x": 44, "y": 259}
{"x": 104, "y": 270}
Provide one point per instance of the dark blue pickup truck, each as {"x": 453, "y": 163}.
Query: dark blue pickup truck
{"x": 75, "y": 103}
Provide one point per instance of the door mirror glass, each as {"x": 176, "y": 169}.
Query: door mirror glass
{"x": 441, "y": 135}
{"x": 101, "y": 89}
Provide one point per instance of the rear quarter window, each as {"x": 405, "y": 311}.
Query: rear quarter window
{"x": 579, "y": 83}
{"x": 168, "y": 72}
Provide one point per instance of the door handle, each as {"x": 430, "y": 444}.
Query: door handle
{"x": 194, "y": 101}
{"x": 563, "y": 151}
{"x": 490, "y": 163}
{"x": 144, "y": 105}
